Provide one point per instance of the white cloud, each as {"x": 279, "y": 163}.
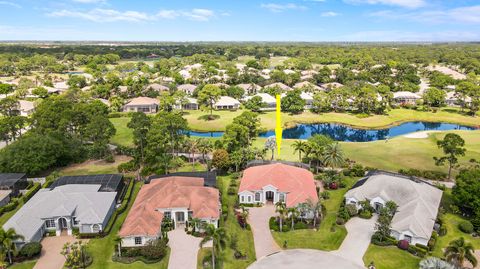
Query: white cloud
{"x": 400, "y": 3}
{"x": 277, "y": 8}
{"x": 111, "y": 15}
{"x": 103, "y": 15}
{"x": 469, "y": 15}
{"x": 329, "y": 14}
{"x": 7, "y": 3}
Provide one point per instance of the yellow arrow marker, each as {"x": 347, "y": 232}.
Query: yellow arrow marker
{"x": 278, "y": 126}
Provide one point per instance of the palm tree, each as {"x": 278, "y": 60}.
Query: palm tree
{"x": 204, "y": 147}
{"x": 333, "y": 155}
{"x": 293, "y": 212}
{"x": 458, "y": 251}
{"x": 316, "y": 209}
{"x": 244, "y": 214}
{"x": 299, "y": 146}
{"x": 7, "y": 238}
{"x": 435, "y": 263}
{"x": 195, "y": 222}
{"x": 281, "y": 209}
{"x": 192, "y": 147}
{"x": 219, "y": 240}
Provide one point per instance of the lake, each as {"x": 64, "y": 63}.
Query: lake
{"x": 346, "y": 133}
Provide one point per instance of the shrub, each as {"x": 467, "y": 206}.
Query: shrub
{"x": 442, "y": 231}
{"x": 365, "y": 214}
{"x": 357, "y": 170}
{"x": 325, "y": 195}
{"x": 31, "y": 249}
{"x": 110, "y": 158}
{"x": 333, "y": 186}
{"x": 232, "y": 190}
{"x": 31, "y": 192}
{"x": 340, "y": 221}
{"x": 466, "y": 227}
{"x": 154, "y": 250}
{"x": 129, "y": 166}
{"x": 352, "y": 210}
{"x": 403, "y": 244}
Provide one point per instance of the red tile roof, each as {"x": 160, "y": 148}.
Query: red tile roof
{"x": 297, "y": 182}
{"x": 189, "y": 192}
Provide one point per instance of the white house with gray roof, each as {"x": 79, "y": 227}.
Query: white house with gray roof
{"x": 417, "y": 202}
{"x": 61, "y": 210}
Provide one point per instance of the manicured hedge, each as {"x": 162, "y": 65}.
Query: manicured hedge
{"x": 9, "y": 207}
{"x": 36, "y": 187}
{"x": 121, "y": 209}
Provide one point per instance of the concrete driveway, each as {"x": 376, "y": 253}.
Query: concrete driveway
{"x": 184, "y": 249}
{"x": 258, "y": 219}
{"x": 356, "y": 242}
{"x": 304, "y": 259}
{"x": 50, "y": 258}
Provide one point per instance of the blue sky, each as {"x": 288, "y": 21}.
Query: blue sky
{"x": 241, "y": 20}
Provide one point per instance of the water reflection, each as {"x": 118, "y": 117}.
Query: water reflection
{"x": 345, "y": 133}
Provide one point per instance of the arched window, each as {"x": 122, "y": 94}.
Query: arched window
{"x": 257, "y": 197}
{"x": 96, "y": 228}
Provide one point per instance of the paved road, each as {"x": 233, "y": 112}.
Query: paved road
{"x": 356, "y": 242}
{"x": 304, "y": 259}
{"x": 184, "y": 249}
{"x": 50, "y": 257}
{"x": 258, "y": 219}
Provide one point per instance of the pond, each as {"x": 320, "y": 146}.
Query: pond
{"x": 346, "y": 133}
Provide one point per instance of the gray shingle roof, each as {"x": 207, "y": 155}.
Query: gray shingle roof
{"x": 85, "y": 202}
{"x": 417, "y": 201}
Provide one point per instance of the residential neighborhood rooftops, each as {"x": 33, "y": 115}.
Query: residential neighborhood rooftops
{"x": 307, "y": 84}
{"x": 209, "y": 177}
{"x": 157, "y": 87}
{"x": 279, "y": 85}
{"x": 9, "y": 179}
{"x": 85, "y": 201}
{"x": 405, "y": 94}
{"x": 227, "y": 101}
{"x": 417, "y": 201}
{"x": 167, "y": 193}
{"x": 297, "y": 182}
{"x": 107, "y": 182}
{"x": 188, "y": 88}
{"x": 141, "y": 101}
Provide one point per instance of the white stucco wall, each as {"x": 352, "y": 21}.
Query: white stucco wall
{"x": 130, "y": 241}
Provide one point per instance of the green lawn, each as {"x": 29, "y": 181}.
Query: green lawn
{"x": 102, "y": 249}
{"x": 398, "y": 152}
{"x": 324, "y": 238}
{"x": 202, "y": 253}
{"x": 394, "y": 117}
{"x": 451, "y": 221}
{"x": 123, "y": 135}
{"x": 23, "y": 265}
{"x": 245, "y": 237}
{"x": 390, "y": 258}
{"x": 92, "y": 167}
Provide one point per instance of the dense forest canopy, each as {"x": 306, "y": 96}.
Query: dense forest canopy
{"x": 467, "y": 55}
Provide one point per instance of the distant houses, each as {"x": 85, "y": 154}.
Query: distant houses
{"x": 142, "y": 104}
{"x": 227, "y": 103}
{"x": 405, "y": 98}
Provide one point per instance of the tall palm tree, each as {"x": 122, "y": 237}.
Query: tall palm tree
{"x": 435, "y": 263}
{"x": 219, "y": 240}
{"x": 293, "y": 213}
{"x": 7, "y": 239}
{"x": 333, "y": 155}
{"x": 196, "y": 223}
{"x": 204, "y": 147}
{"x": 458, "y": 251}
{"x": 315, "y": 207}
{"x": 281, "y": 209}
{"x": 192, "y": 147}
{"x": 299, "y": 146}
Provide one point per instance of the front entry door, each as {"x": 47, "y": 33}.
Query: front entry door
{"x": 269, "y": 195}
{"x": 180, "y": 216}
{"x": 62, "y": 223}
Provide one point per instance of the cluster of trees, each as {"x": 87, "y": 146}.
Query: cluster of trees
{"x": 63, "y": 129}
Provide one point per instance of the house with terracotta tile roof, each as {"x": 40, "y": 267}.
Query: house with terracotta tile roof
{"x": 177, "y": 198}
{"x": 277, "y": 182}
